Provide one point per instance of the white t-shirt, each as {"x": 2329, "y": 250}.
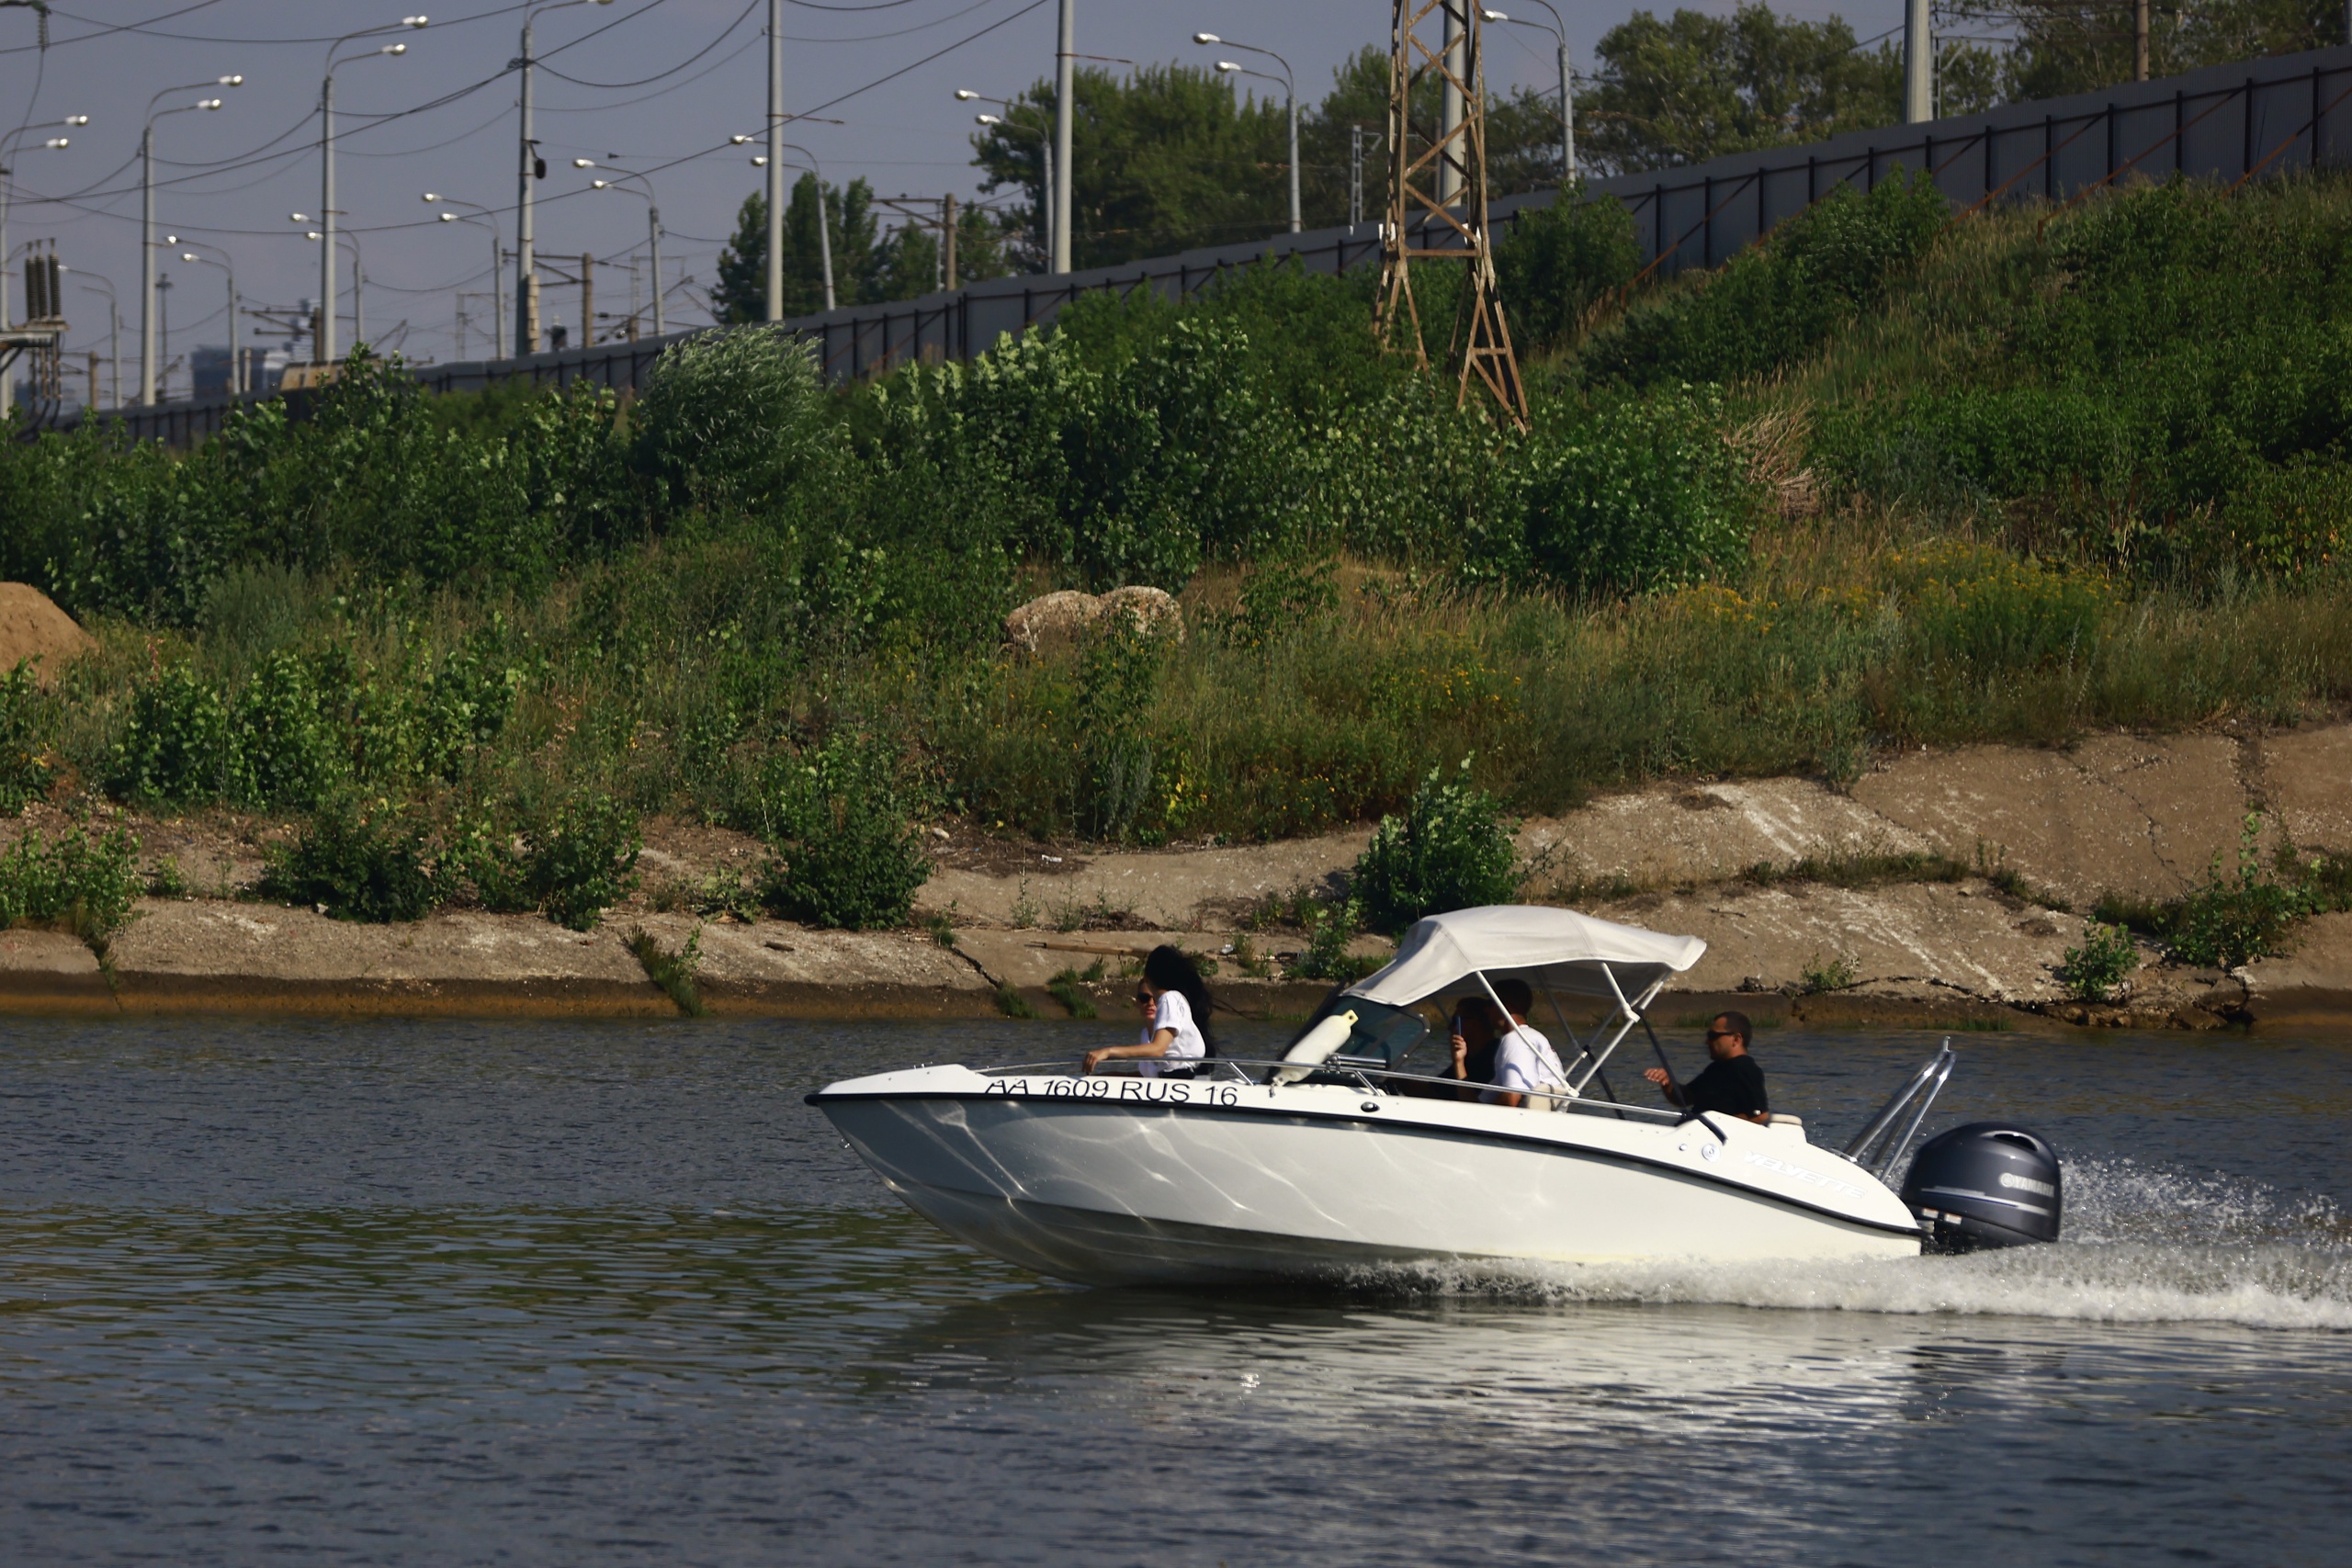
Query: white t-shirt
{"x": 1524, "y": 1060}
{"x": 1174, "y": 1012}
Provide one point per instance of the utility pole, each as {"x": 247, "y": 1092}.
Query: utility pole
{"x": 1065, "y": 111}
{"x": 776, "y": 169}
{"x": 2138, "y": 40}
{"x": 1919, "y": 63}
{"x": 1423, "y": 224}
{"x": 948, "y": 243}
{"x": 147, "y": 392}
{"x": 587, "y": 300}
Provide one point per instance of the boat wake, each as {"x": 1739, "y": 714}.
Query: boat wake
{"x": 2142, "y": 1244}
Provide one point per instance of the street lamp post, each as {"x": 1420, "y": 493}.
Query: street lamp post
{"x": 1065, "y": 119}
{"x": 328, "y": 212}
{"x": 487, "y": 220}
{"x": 236, "y": 361}
{"x": 824, "y": 223}
{"x": 358, "y": 276}
{"x": 1559, "y": 31}
{"x": 48, "y": 144}
{"x": 1290, "y": 98}
{"x": 1045, "y": 149}
{"x": 654, "y": 237}
{"x": 526, "y": 288}
{"x": 148, "y": 324}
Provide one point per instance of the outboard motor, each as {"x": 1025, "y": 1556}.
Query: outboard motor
{"x": 1987, "y": 1184}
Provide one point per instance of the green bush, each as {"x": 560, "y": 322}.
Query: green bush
{"x": 730, "y": 419}
{"x": 2095, "y": 971}
{"x": 569, "y": 860}
{"x": 1639, "y": 494}
{"x": 1451, "y": 850}
{"x": 85, "y": 883}
{"x": 1780, "y": 300}
{"x": 30, "y": 717}
{"x": 845, "y": 853}
{"x": 174, "y": 748}
{"x": 1560, "y": 260}
{"x": 366, "y": 865}
{"x": 2233, "y": 919}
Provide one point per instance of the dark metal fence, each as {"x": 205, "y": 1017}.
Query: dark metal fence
{"x": 2229, "y": 124}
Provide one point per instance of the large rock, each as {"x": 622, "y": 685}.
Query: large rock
{"x": 32, "y": 627}
{"x": 1057, "y": 620}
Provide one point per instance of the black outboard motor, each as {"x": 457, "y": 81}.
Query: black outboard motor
{"x": 1987, "y": 1184}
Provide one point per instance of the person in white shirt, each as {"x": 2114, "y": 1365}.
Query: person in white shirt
{"x": 1175, "y": 1005}
{"x": 1524, "y": 1060}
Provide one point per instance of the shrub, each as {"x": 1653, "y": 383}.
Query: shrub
{"x": 1778, "y": 300}
{"x": 1641, "y": 494}
{"x": 2095, "y": 971}
{"x": 174, "y": 746}
{"x": 1559, "y": 260}
{"x": 729, "y": 419}
{"x": 569, "y": 862}
{"x": 1329, "y": 929}
{"x": 1450, "y": 851}
{"x": 845, "y": 853}
{"x": 30, "y": 717}
{"x": 2235, "y": 919}
{"x": 356, "y": 863}
{"x": 281, "y": 748}
{"x": 584, "y": 859}
{"x": 83, "y": 883}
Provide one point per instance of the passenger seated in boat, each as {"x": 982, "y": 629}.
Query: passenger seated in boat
{"x": 1730, "y": 1084}
{"x": 1473, "y": 1038}
{"x": 1524, "y": 1061}
{"x": 1175, "y": 1007}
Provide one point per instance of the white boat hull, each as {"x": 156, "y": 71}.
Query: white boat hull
{"x": 1137, "y": 1181}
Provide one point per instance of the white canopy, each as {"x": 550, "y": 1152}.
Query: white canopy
{"x": 1554, "y": 947}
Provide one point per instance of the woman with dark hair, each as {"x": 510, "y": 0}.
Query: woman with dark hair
{"x": 1175, "y": 1006}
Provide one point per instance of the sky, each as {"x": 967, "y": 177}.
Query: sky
{"x": 651, "y": 86}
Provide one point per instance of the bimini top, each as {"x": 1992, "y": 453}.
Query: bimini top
{"x": 1558, "y": 948}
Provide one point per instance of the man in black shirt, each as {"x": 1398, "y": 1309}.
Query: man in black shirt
{"x": 1732, "y": 1083}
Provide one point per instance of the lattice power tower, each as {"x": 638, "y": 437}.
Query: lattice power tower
{"x": 1437, "y": 198}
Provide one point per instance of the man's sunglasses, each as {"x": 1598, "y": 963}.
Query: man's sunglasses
{"x": 1723, "y": 1034}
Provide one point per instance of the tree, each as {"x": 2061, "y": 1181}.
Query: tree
{"x": 2075, "y": 46}
{"x": 1169, "y": 159}
{"x": 742, "y": 293}
{"x": 1696, "y": 87}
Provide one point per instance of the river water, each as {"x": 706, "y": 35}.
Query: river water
{"x": 448, "y": 1292}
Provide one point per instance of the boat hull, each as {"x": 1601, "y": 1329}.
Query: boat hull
{"x": 1323, "y": 1183}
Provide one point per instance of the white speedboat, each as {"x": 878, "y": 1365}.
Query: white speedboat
{"x": 1348, "y": 1156}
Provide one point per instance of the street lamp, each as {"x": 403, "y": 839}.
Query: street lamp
{"x": 654, "y": 234}
{"x": 487, "y": 220}
{"x": 1290, "y": 100}
{"x": 48, "y": 144}
{"x": 328, "y": 212}
{"x": 236, "y": 360}
{"x": 332, "y": 238}
{"x": 824, "y": 223}
{"x": 1559, "y": 31}
{"x": 1046, "y": 153}
{"x": 149, "y": 326}
{"x": 531, "y": 167}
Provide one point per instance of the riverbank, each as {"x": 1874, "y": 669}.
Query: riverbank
{"x": 1816, "y": 905}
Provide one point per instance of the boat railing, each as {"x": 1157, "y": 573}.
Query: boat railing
{"x": 1363, "y": 1077}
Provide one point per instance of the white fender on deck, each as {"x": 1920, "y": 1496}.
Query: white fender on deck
{"x": 1315, "y": 1047}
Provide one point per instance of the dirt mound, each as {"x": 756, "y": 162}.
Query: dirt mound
{"x": 31, "y": 627}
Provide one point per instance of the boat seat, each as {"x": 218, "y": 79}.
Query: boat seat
{"x": 1779, "y": 1120}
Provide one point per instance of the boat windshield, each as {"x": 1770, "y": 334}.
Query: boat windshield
{"x": 1380, "y": 1035}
